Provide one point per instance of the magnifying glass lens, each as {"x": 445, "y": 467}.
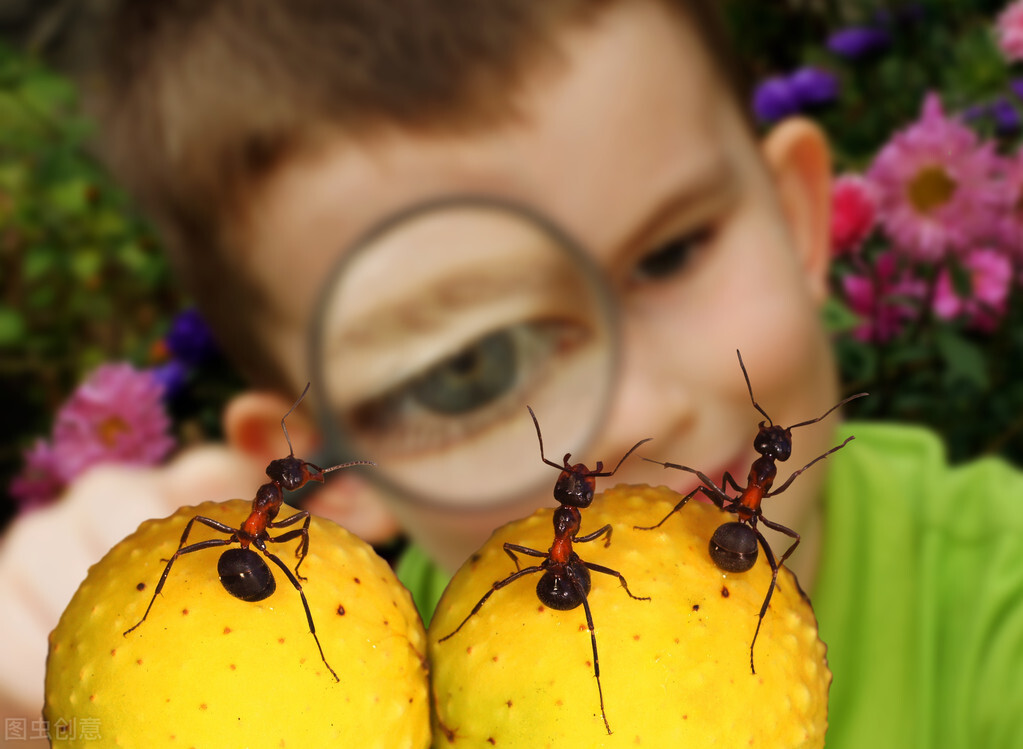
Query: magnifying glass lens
{"x": 435, "y": 332}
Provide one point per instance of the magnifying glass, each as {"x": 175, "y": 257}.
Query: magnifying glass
{"x": 438, "y": 327}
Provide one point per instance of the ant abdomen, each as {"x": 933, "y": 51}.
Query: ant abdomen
{"x": 733, "y": 547}
{"x": 245, "y": 575}
{"x": 559, "y": 591}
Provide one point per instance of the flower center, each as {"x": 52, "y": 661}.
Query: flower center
{"x": 930, "y": 187}
{"x": 110, "y": 429}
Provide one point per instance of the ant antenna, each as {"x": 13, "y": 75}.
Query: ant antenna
{"x": 599, "y": 470}
{"x": 802, "y": 423}
{"x": 284, "y": 418}
{"x": 749, "y": 387}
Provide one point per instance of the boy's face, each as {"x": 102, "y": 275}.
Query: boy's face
{"x": 631, "y": 143}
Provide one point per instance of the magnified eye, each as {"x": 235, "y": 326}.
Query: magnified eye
{"x": 470, "y": 379}
{"x": 669, "y": 258}
{"x": 473, "y": 389}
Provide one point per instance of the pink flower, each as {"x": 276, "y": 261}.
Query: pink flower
{"x": 852, "y": 212}
{"x": 1009, "y": 31}
{"x": 39, "y": 482}
{"x": 886, "y": 301}
{"x": 1008, "y": 226}
{"x": 115, "y": 416}
{"x": 937, "y": 185}
{"x": 990, "y": 273}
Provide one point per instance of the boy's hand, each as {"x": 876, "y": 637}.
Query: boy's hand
{"x": 44, "y": 555}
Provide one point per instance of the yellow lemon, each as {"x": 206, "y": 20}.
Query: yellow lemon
{"x": 674, "y": 670}
{"x": 206, "y": 669}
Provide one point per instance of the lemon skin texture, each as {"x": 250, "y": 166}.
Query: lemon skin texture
{"x": 675, "y": 670}
{"x": 206, "y": 669}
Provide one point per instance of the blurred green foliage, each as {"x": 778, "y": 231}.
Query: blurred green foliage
{"x": 82, "y": 280}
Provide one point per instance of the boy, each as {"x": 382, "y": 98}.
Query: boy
{"x": 264, "y": 136}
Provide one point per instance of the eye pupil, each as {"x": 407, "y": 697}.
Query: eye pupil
{"x": 666, "y": 260}
{"x": 471, "y": 378}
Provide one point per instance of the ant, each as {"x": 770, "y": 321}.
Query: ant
{"x": 243, "y": 573}
{"x": 565, "y": 582}
{"x": 733, "y": 546}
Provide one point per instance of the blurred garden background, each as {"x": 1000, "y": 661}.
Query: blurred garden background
{"x": 924, "y": 104}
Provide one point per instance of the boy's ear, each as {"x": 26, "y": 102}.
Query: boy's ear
{"x": 252, "y": 425}
{"x": 798, "y": 156}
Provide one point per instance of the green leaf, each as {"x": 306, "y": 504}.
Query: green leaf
{"x": 963, "y": 360}
{"x": 12, "y": 326}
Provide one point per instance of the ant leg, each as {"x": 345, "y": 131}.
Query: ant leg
{"x": 788, "y": 532}
{"x": 775, "y": 567}
{"x": 308, "y": 614}
{"x": 182, "y": 549}
{"x": 614, "y": 573}
{"x": 682, "y": 503}
{"x": 509, "y": 549}
{"x": 792, "y": 478}
{"x": 580, "y": 590}
{"x": 595, "y": 535}
{"x": 493, "y": 588}
{"x": 303, "y": 532}
{"x": 727, "y": 481}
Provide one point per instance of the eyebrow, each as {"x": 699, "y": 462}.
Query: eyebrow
{"x": 431, "y": 308}
{"x": 696, "y": 191}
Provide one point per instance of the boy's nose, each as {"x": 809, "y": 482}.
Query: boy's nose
{"x": 650, "y": 399}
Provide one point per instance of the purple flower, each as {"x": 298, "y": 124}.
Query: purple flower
{"x": 1016, "y": 84}
{"x": 813, "y": 87}
{"x": 775, "y": 99}
{"x": 116, "y": 415}
{"x": 39, "y": 482}
{"x": 859, "y": 42}
{"x": 172, "y": 376}
{"x": 190, "y": 338}
{"x": 1006, "y": 117}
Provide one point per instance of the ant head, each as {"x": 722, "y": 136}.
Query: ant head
{"x": 291, "y": 473}
{"x": 773, "y": 441}
{"x": 576, "y": 485}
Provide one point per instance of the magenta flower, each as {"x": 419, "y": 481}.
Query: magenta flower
{"x": 116, "y": 415}
{"x": 1009, "y": 31}
{"x": 852, "y": 212}
{"x": 937, "y": 185}
{"x": 1008, "y": 226}
{"x": 886, "y": 301}
{"x": 990, "y": 273}
{"x": 39, "y": 482}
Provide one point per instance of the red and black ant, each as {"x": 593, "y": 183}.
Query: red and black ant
{"x": 243, "y": 573}
{"x": 565, "y": 583}
{"x": 733, "y": 546}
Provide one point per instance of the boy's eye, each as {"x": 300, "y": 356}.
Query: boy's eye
{"x": 473, "y": 389}
{"x": 471, "y": 378}
{"x": 669, "y": 258}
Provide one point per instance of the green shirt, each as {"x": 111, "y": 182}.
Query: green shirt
{"x": 919, "y": 595}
